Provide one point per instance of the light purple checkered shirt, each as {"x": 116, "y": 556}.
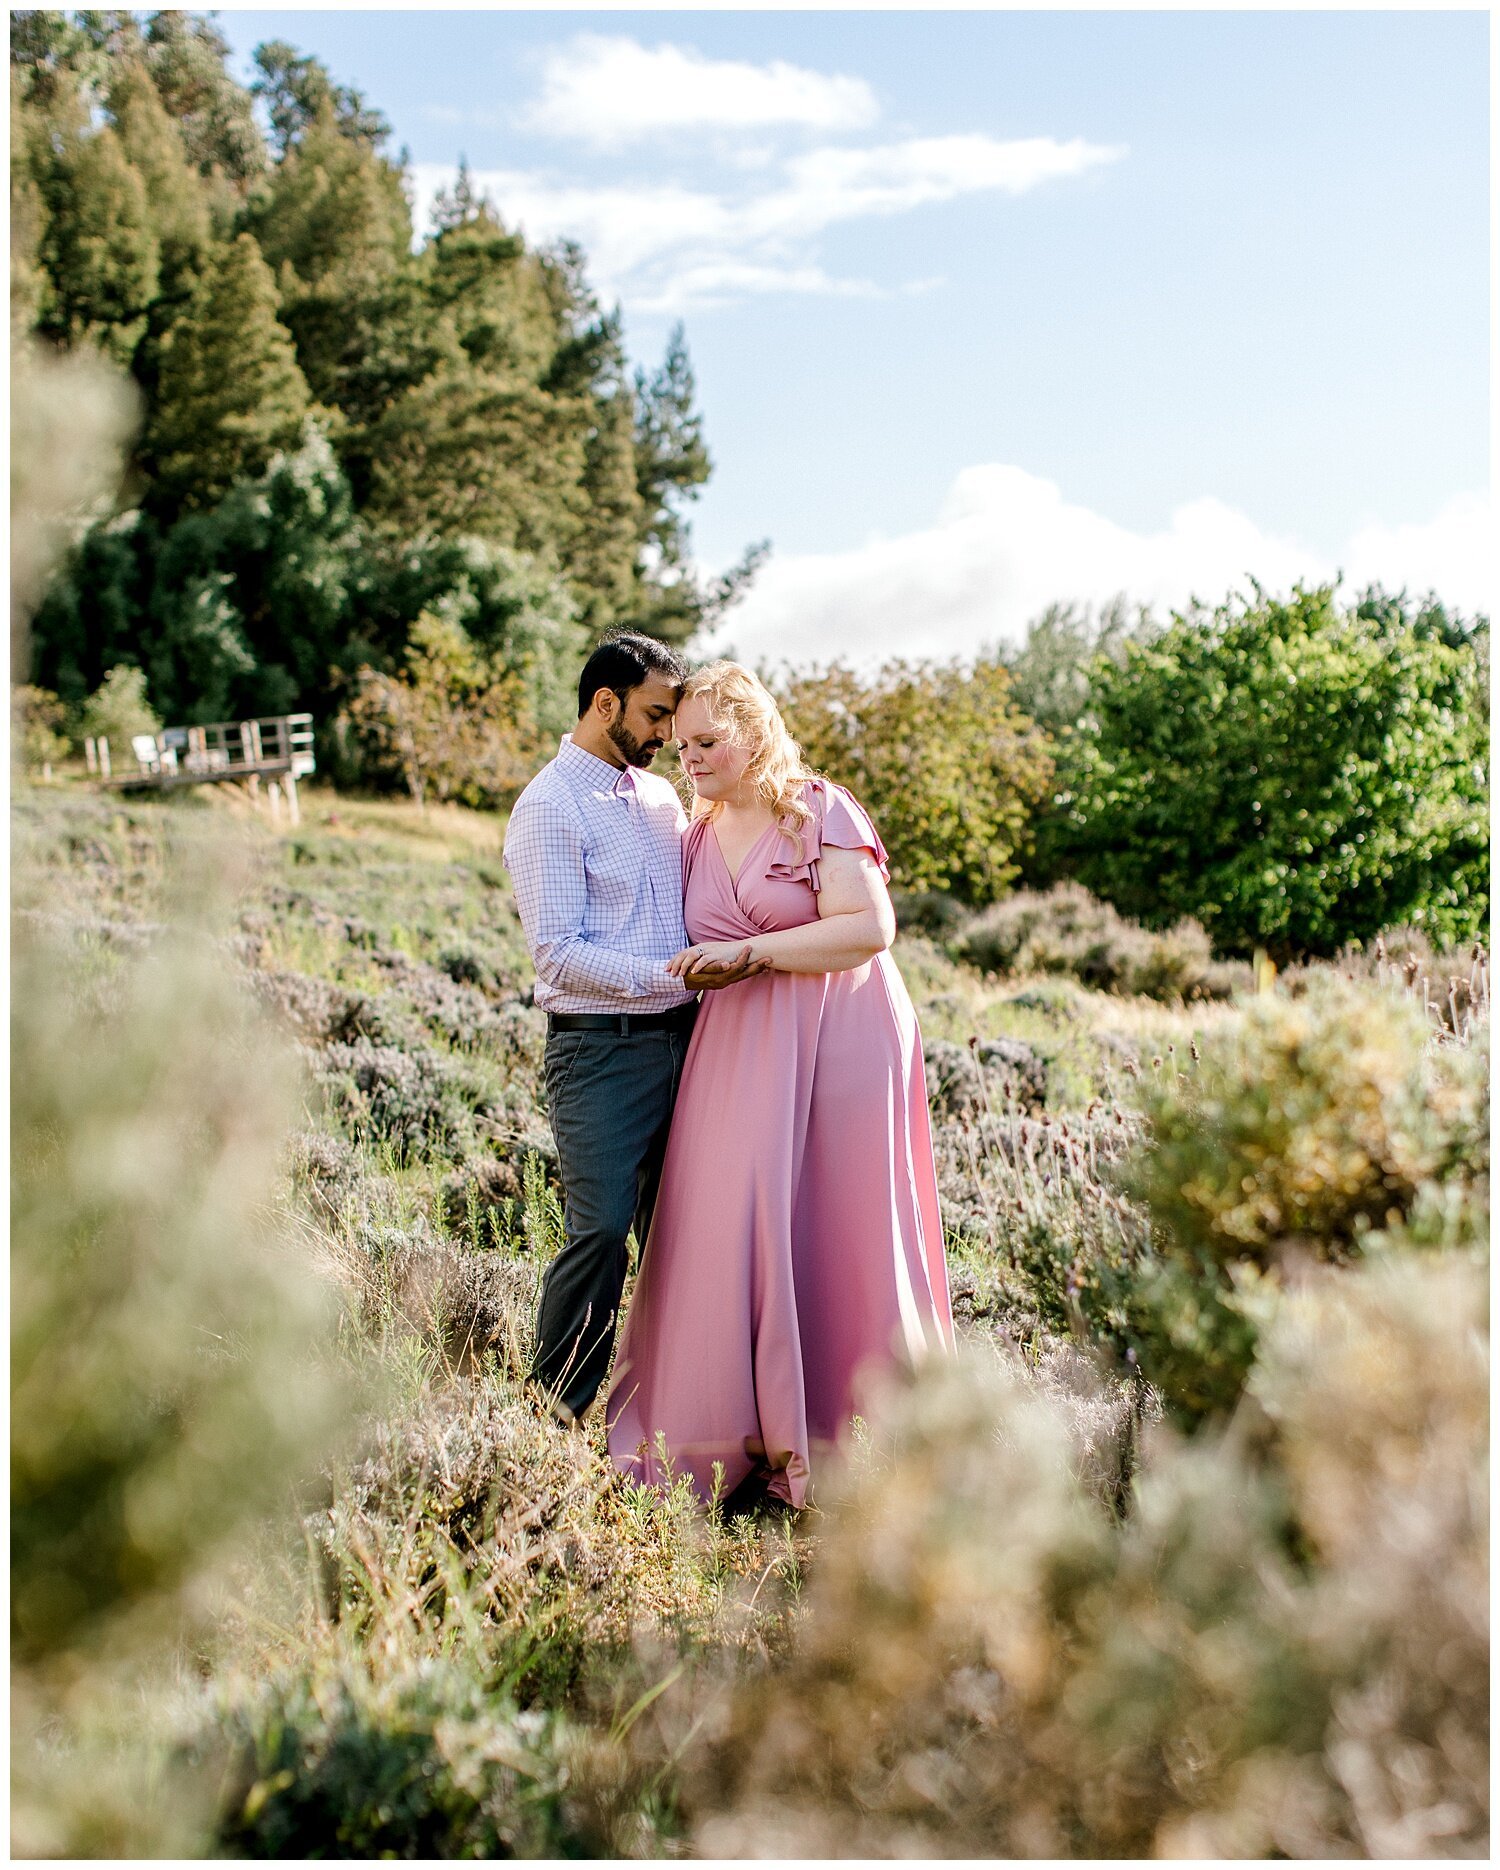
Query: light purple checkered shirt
{"x": 595, "y": 855}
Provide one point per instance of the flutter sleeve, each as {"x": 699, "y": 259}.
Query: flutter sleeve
{"x": 838, "y": 819}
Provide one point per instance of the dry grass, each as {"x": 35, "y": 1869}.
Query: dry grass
{"x": 1032, "y": 1621}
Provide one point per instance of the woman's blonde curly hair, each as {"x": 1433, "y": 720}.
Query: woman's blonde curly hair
{"x": 744, "y": 711}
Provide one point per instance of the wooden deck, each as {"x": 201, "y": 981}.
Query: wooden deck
{"x": 277, "y": 748}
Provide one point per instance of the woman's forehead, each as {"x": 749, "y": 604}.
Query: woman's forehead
{"x": 692, "y": 716}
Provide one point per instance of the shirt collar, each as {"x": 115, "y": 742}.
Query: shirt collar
{"x": 589, "y": 765}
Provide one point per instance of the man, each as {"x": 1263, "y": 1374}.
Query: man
{"x": 594, "y": 850}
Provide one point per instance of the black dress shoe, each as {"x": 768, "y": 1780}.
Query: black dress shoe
{"x": 745, "y": 1498}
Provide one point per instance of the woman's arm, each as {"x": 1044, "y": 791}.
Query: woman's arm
{"x": 855, "y": 922}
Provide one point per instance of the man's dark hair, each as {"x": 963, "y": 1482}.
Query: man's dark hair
{"x": 622, "y": 662}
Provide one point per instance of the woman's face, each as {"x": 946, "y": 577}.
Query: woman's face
{"x": 715, "y": 765}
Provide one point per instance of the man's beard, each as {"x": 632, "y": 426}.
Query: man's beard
{"x": 634, "y": 752}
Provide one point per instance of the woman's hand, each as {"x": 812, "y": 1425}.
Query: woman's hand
{"x": 715, "y": 964}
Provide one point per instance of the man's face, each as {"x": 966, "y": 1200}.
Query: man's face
{"x": 641, "y": 725}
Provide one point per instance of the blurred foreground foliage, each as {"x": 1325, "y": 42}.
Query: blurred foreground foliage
{"x": 1282, "y": 1651}
{"x": 1035, "y": 1615}
{"x": 170, "y": 1376}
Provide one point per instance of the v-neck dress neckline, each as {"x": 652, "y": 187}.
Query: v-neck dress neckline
{"x": 735, "y": 875}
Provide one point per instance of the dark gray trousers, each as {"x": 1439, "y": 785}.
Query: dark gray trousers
{"x": 610, "y": 1098}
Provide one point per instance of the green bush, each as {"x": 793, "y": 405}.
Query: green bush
{"x": 117, "y": 711}
{"x": 1306, "y": 1126}
{"x": 412, "y": 1760}
{"x": 1065, "y": 930}
{"x": 1305, "y": 1123}
{"x": 36, "y": 732}
{"x": 1293, "y": 774}
{"x": 451, "y": 725}
{"x": 941, "y": 758}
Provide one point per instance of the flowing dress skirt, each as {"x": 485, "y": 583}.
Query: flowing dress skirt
{"x": 796, "y": 1247}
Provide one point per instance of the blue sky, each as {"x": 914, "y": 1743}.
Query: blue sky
{"x": 993, "y": 307}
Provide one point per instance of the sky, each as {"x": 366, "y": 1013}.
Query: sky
{"x": 990, "y": 310}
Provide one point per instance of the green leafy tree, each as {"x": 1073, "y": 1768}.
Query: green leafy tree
{"x": 178, "y": 204}
{"x": 672, "y": 460}
{"x": 28, "y": 216}
{"x": 60, "y": 63}
{"x": 230, "y": 393}
{"x": 332, "y": 210}
{"x": 276, "y": 575}
{"x": 672, "y": 464}
{"x": 449, "y": 720}
{"x": 1294, "y": 774}
{"x": 118, "y": 710}
{"x": 516, "y": 614}
{"x": 495, "y": 295}
{"x": 474, "y": 396}
{"x": 1050, "y": 672}
{"x": 602, "y": 562}
{"x": 942, "y": 758}
{"x": 333, "y": 224}
{"x": 95, "y": 611}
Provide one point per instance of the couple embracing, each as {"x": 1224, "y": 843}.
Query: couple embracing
{"x": 733, "y": 1069}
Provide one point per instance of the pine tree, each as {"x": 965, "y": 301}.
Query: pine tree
{"x": 333, "y": 222}
{"x": 468, "y": 453}
{"x": 230, "y": 391}
{"x": 671, "y": 461}
{"x": 297, "y": 89}
{"x": 463, "y": 205}
{"x": 176, "y": 199}
{"x": 332, "y": 209}
{"x": 99, "y": 248}
{"x": 186, "y": 54}
{"x": 602, "y": 564}
{"x": 493, "y": 293}
{"x": 60, "y": 65}
{"x": 28, "y": 214}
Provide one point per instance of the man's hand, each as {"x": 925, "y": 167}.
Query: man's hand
{"x": 717, "y": 964}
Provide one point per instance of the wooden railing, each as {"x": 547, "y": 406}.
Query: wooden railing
{"x": 277, "y": 748}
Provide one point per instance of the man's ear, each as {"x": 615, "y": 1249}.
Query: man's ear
{"x": 606, "y": 705}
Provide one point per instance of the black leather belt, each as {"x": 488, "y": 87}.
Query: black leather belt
{"x": 622, "y": 1023}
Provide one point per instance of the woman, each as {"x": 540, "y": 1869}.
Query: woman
{"x": 796, "y": 1244}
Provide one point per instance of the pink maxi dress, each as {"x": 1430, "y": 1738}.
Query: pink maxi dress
{"x": 796, "y": 1246}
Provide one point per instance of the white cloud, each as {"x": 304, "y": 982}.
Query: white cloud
{"x": 830, "y": 185}
{"x": 1005, "y": 544}
{"x": 611, "y": 91}
{"x": 719, "y": 282}
{"x": 665, "y": 245}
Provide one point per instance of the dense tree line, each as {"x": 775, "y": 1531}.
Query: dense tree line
{"x": 1294, "y": 774}
{"x": 406, "y": 485}
{"x": 340, "y": 432}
